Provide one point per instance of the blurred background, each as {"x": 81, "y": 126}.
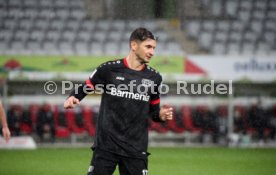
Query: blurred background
{"x": 198, "y": 41}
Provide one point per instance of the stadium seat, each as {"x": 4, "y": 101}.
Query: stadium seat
{"x": 99, "y": 36}
{"x": 176, "y": 125}
{"x": 218, "y": 48}
{"x": 57, "y": 24}
{"x": 103, "y": 25}
{"x": 118, "y": 25}
{"x": 188, "y": 121}
{"x": 6, "y": 35}
{"x": 25, "y": 24}
{"x": 232, "y": 7}
{"x": 61, "y": 123}
{"x": 33, "y": 108}
{"x": 111, "y": 48}
{"x": 84, "y": 35}
{"x": 193, "y": 28}
{"x": 81, "y": 48}
{"x": 46, "y": 4}
{"x": 71, "y": 116}
{"x": 50, "y": 48}
{"x": 62, "y": 13}
{"x": 259, "y": 15}
{"x": 248, "y": 48}
{"x": 77, "y": 14}
{"x": 77, "y": 4}
{"x": 46, "y": 12}
{"x": 10, "y": 23}
{"x": 158, "y": 127}
{"x": 256, "y": 26}
{"x": 30, "y": 12}
{"x": 208, "y": 25}
{"x": 262, "y": 48}
{"x": 3, "y": 47}
{"x": 65, "y": 47}
{"x": 62, "y": 4}
{"x": 89, "y": 117}
{"x": 96, "y": 48}
{"x": 21, "y": 35}
{"x": 216, "y": 7}
{"x": 124, "y": 48}
{"x": 260, "y": 5}
{"x": 114, "y": 36}
{"x": 204, "y": 40}
{"x": 271, "y": 15}
{"x": 30, "y": 3}
{"x": 223, "y": 26}
{"x": 221, "y": 37}
{"x": 270, "y": 37}
{"x": 73, "y": 25}
{"x": 37, "y": 35}
{"x": 88, "y": 25}
{"x": 150, "y": 24}
{"x": 246, "y": 5}
{"x": 131, "y": 25}
{"x": 244, "y": 15}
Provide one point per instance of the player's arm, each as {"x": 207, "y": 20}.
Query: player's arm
{"x": 155, "y": 110}
{"x": 166, "y": 113}
{"x": 5, "y": 129}
{"x": 78, "y": 94}
{"x": 157, "y": 113}
{"x": 161, "y": 114}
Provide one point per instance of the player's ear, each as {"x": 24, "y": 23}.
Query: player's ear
{"x": 133, "y": 45}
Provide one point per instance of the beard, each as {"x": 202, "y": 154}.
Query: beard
{"x": 141, "y": 59}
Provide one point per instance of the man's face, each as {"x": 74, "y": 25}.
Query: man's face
{"x": 144, "y": 50}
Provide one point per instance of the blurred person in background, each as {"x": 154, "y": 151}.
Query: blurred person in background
{"x": 258, "y": 120}
{"x": 26, "y": 124}
{"x": 5, "y": 129}
{"x": 205, "y": 119}
{"x": 14, "y": 116}
{"x": 239, "y": 122}
{"x": 45, "y": 123}
{"x": 122, "y": 125}
{"x": 272, "y": 123}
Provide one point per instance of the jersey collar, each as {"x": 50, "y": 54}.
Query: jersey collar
{"x": 127, "y": 66}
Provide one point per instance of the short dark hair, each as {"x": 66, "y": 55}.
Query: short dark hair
{"x": 141, "y": 34}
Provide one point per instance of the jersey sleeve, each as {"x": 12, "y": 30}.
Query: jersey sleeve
{"x": 155, "y": 101}
{"x": 96, "y": 78}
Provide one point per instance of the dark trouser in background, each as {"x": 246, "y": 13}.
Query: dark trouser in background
{"x": 104, "y": 163}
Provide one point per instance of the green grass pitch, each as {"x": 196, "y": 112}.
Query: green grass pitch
{"x": 163, "y": 161}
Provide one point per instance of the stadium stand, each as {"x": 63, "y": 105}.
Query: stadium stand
{"x": 195, "y": 121}
{"x": 63, "y": 27}
{"x": 235, "y": 27}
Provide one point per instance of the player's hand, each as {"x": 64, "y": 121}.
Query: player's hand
{"x": 71, "y": 102}
{"x": 166, "y": 113}
{"x": 6, "y": 133}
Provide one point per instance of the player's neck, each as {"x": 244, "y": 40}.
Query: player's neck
{"x": 134, "y": 63}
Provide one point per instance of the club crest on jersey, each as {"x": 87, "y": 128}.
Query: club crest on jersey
{"x": 147, "y": 82}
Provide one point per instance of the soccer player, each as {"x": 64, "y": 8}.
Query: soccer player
{"x": 5, "y": 129}
{"x": 130, "y": 96}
